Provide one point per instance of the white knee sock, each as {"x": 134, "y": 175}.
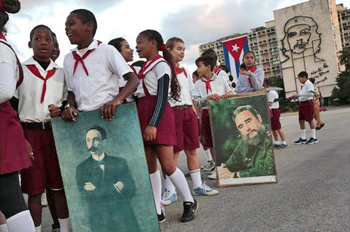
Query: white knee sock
{"x": 156, "y": 183}
{"x": 169, "y": 185}
{"x": 313, "y": 133}
{"x": 3, "y": 228}
{"x": 208, "y": 155}
{"x": 38, "y": 229}
{"x": 21, "y": 222}
{"x": 65, "y": 224}
{"x": 196, "y": 178}
{"x": 180, "y": 183}
{"x": 303, "y": 134}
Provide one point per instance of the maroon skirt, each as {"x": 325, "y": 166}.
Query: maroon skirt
{"x": 166, "y": 134}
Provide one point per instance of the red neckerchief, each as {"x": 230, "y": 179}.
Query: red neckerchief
{"x": 142, "y": 73}
{"x": 217, "y": 70}
{"x": 207, "y": 85}
{"x": 36, "y": 72}
{"x": 180, "y": 70}
{"x": 302, "y": 86}
{"x": 133, "y": 69}
{"x": 81, "y": 59}
{"x": 20, "y": 70}
{"x": 253, "y": 69}
{"x": 2, "y": 35}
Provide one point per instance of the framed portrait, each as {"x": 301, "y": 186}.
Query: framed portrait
{"x": 105, "y": 173}
{"x": 243, "y": 141}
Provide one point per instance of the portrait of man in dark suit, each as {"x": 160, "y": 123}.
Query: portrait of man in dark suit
{"x": 106, "y": 186}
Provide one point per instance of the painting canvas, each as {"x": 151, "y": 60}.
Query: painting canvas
{"x": 243, "y": 141}
{"x": 105, "y": 172}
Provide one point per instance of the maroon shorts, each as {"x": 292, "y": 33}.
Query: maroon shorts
{"x": 45, "y": 171}
{"x": 275, "y": 120}
{"x": 186, "y": 123}
{"x": 306, "y": 111}
{"x": 166, "y": 134}
{"x": 206, "y": 129}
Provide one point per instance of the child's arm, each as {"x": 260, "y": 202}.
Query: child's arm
{"x": 257, "y": 79}
{"x": 108, "y": 109}
{"x": 162, "y": 100}
{"x": 70, "y": 112}
{"x": 240, "y": 88}
{"x": 7, "y": 82}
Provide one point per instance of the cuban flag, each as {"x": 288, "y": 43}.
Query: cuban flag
{"x": 234, "y": 50}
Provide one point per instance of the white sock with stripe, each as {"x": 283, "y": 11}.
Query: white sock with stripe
{"x": 180, "y": 183}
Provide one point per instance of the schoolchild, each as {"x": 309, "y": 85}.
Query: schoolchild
{"x": 92, "y": 86}
{"x": 317, "y": 104}
{"x": 276, "y": 127}
{"x": 15, "y": 153}
{"x": 157, "y": 81}
{"x": 43, "y": 86}
{"x": 306, "y": 109}
{"x": 210, "y": 165}
{"x": 186, "y": 124}
{"x": 209, "y": 87}
{"x": 250, "y": 77}
{"x": 217, "y": 70}
{"x": 126, "y": 51}
{"x": 56, "y": 48}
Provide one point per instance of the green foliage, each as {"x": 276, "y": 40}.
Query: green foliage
{"x": 341, "y": 93}
{"x": 344, "y": 57}
{"x": 285, "y": 104}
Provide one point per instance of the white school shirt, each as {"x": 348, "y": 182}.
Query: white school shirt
{"x": 257, "y": 79}
{"x": 186, "y": 84}
{"x": 9, "y": 72}
{"x": 218, "y": 85}
{"x": 221, "y": 73}
{"x": 105, "y": 65}
{"x": 306, "y": 91}
{"x": 29, "y": 92}
{"x": 152, "y": 77}
{"x": 271, "y": 96}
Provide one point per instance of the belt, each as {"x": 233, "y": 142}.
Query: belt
{"x": 36, "y": 125}
{"x": 182, "y": 107}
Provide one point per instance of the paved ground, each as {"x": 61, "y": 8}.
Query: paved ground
{"x": 312, "y": 193}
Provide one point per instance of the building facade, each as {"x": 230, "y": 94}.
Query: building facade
{"x": 344, "y": 24}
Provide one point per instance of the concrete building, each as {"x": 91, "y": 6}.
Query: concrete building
{"x": 344, "y": 24}
{"x": 309, "y": 40}
{"x": 263, "y": 42}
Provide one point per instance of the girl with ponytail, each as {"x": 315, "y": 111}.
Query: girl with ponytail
{"x": 157, "y": 120}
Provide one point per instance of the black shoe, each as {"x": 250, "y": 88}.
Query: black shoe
{"x": 189, "y": 211}
{"x": 318, "y": 128}
{"x": 300, "y": 141}
{"x": 55, "y": 227}
{"x": 161, "y": 217}
{"x": 322, "y": 125}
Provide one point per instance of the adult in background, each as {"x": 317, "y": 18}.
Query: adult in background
{"x": 317, "y": 104}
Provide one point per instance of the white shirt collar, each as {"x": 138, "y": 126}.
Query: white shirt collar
{"x": 31, "y": 61}
{"x": 99, "y": 158}
{"x": 92, "y": 45}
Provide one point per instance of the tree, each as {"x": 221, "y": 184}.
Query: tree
{"x": 344, "y": 57}
{"x": 341, "y": 93}
{"x": 285, "y": 104}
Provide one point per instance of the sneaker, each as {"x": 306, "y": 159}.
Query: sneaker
{"x": 168, "y": 197}
{"x": 161, "y": 217}
{"x": 301, "y": 141}
{"x": 322, "y": 125}
{"x": 190, "y": 209}
{"x": 209, "y": 166}
{"x": 312, "y": 141}
{"x": 205, "y": 190}
{"x": 281, "y": 146}
{"x": 56, "y": 227}
{"x": 43, "y": 200}
{"x": 212, "y": 175}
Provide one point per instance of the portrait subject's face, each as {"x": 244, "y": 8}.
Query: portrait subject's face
{"x": 247, "y": 124}
{"x": 95, "y": 143}
{"x": 298, "y": 37}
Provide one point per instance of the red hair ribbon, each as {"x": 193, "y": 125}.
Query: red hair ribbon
{"x": 163, "y": 47}
{"x": 1, "y": 6}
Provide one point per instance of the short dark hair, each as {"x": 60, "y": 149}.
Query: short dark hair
{"x": 195, "y": 73}
{"x": 207, "y": 60}
{"x": 86, "y": 16}
{"x": 312, "y": 80}
{"x": 117, "y": 43}
{"x": 170, "y": 43}
{"x": 138, "y": 63}
{"x": 244, "y": 108}
{"x": 37, "y": 27}
{"x": 212, "y": 53}
{"x": 99, "y": 129}
{"x": 249, "y": 52}
{"x": 268, "y": 82}
{"x": 303, "y": 74}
